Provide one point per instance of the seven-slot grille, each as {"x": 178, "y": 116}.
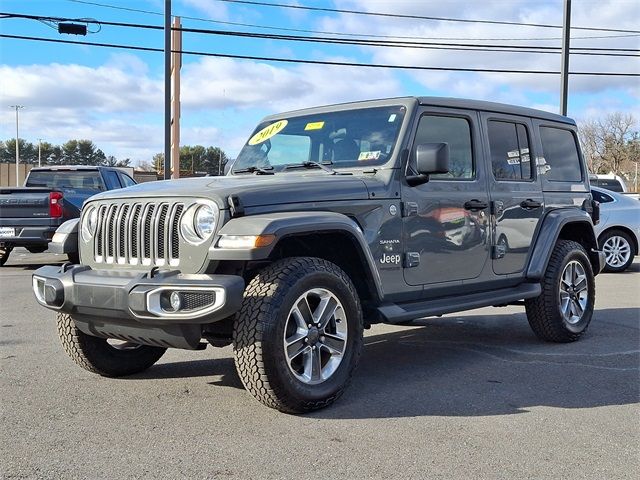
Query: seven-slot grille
{"x": 145, "y": 233}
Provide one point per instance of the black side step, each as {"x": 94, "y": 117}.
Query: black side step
{"x": 398, "y": 313}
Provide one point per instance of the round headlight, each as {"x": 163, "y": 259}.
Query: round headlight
{"x": 204, "y": 221}
{"x": 89, "y": 224}
{"x": 198, "y": 222}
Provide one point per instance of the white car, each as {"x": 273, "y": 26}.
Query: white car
{"x": 619, "y": 229}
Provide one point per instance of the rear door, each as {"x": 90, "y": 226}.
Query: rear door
{"x": 517, "y": 202}
{"x": 445, "y": 221}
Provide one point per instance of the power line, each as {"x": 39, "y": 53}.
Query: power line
{"x": 418, "y": 17}
{"x": 320, "y": 62}
{"x": 348, "y": 34}
{"x": 370, "y": 43}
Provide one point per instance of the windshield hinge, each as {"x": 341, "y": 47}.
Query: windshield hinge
{"x": 235, "y": 206}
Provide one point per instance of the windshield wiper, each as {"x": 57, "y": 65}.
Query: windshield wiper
{"x": 256, "y": 170}
{"x": 310, "y": 164}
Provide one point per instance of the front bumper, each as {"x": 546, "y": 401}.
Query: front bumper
{"x": 138, "y": 298}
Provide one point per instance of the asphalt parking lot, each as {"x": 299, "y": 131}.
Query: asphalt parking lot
{"x": 471, "y": 395}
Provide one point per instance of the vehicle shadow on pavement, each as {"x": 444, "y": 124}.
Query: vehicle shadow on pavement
{"x": 492, "y": 365}
{"x": 223, "y": 367}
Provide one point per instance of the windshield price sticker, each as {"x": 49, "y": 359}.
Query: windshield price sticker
{"x": 375, "y": 155}
{"x": 314, "y": 126}
{"x": 267, "y": 132}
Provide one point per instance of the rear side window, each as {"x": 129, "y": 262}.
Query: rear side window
{"x": 561, "y": 154}
{"x": 457, "y": 133}
{"x": 509, "y": 145}
{"x": 601, "y": 197}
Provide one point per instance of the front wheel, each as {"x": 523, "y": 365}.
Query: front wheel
{"x": 102, "y": 356}
{"x": 298, "y": 336}
{"x": 564, "y": 309}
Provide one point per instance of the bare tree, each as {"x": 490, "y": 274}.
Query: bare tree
{"x": 611, "y": 144}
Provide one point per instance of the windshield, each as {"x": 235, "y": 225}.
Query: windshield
{"x": 66, "y": 179}
{"x": 349, "y": 138}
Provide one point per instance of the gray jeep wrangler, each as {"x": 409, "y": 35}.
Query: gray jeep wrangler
{"x": 332, "y": 219}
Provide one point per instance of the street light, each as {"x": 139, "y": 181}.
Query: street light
{"x": 39, "y": 152}
{"x": 17, "y": 107}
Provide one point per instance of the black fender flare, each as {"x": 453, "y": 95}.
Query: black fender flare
{"x": 548, "y": 234}
{"x": 286, "y": 224}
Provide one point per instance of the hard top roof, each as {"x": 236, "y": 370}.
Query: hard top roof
{"x": 436, "y": 102}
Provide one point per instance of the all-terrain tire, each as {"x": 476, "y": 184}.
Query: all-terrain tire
{"x": 544, "y": 312}
{"x": 259, "y": 329}
{"x": 98, "y": 356}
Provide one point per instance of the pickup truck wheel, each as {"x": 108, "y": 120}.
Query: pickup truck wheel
{"x": 298, "y": 336}
{"x": 618, "y": 250}
{"x": 4, "y": 255}
{"x": 564, "y": 309}
{"x": 98, "y": 355}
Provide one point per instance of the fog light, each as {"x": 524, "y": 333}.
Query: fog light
{"x": 171, "y": 302}
{"x": 176, "y": 301}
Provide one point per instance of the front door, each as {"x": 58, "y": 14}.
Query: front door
{"x": 516, "y": 195}
{"x": 446, "y": 220}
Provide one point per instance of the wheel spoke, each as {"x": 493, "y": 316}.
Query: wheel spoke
{"x": 295, "y": 345}
{"x": 305, "y": 312}
{"x": 316, "y": 364}
{"x": 334, "y": 343}
{"x": 325, "y": 310}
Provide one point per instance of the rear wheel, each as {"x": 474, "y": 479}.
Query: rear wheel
{"x": 298, "y": 336}
{"x": 4, "y": 255}
{"x": 104, "y": 357}
{"x": 564, "y": 309}
{"x": 618, "y": 250}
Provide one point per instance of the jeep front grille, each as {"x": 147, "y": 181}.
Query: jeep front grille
{"x": 144, "y": 233}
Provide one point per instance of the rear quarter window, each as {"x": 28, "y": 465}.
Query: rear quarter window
{"x": 560, "y": 150}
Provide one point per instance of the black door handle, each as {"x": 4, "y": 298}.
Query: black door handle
{"x": 530, "y": 204}
{"x": 475, "y": 205}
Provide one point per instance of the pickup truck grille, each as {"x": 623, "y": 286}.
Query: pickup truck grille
{"x": 141, "y": 233}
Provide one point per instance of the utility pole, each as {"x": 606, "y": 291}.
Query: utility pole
{"x": 564, "y": 70}
{"x": 17, "y": 107}
{"x": 167, "y": 89}
{"x": 39, "y": 152}
{"x": 176, "y": 64}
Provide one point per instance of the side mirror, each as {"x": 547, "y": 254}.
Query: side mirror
{"x": 431, "y": 158}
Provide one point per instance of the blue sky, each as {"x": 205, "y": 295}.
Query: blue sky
{"x": 114, "y": 97}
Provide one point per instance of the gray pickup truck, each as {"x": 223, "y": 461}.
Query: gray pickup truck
{"x": 29, "y": 216}
{"x": 330, "y": 220}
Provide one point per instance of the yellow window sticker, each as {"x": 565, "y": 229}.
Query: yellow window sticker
{"x": 373, "y": 155}
{"x": 314, "y": 126}
{"x": 267, "y": 132}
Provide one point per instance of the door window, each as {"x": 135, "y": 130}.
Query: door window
{"x": 111, "y": 178}
{"x": 510, "y": 156}
{"x": 561, "y": 154}
{"x": 454, "y": 131}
